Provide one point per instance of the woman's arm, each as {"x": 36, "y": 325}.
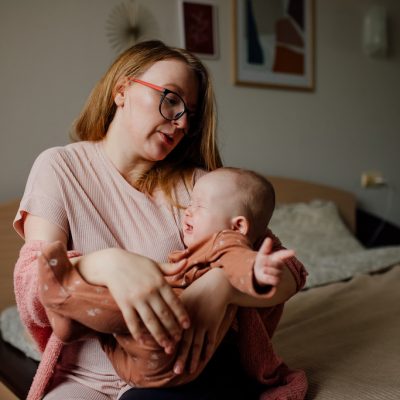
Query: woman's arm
{"x": 37, "y": 228}
{"x": 139, "y": 288}
{"x": 136, "y": 283}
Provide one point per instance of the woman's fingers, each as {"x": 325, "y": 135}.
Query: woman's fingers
{"x": 166, "y": 317}
{"x": 194, "y": 348}
{"x": 210, "y": 346}
{"x": 132, "y": 322}
{"x": 176, "y": 306}
{"x": 153, "y": 325}
{"x": 183, "y": 352}
{"x": 196, "y": 351}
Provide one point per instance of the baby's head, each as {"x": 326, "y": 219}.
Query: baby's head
{"x": 229, "y": 198}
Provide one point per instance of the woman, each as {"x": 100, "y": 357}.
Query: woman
{"x": 146, "y": 133}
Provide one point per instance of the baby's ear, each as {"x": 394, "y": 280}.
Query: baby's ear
{"x": 240, "y": 224}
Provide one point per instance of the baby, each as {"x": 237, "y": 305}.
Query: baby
{"x": 228, "y": 215}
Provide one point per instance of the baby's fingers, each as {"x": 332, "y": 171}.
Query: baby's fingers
{"x": 271, "y": 271}
{"x": 282, "y": 255}
{"x": 266, "y": 246}
{"x": 267, "y": 279}
{"x": 173, "y": 268}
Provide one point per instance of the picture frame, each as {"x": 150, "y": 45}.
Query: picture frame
{"x": 274, "y": 43}
{"x": 199, "y": 27}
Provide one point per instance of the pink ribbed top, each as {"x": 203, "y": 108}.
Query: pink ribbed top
{"x": 77, "y": 188}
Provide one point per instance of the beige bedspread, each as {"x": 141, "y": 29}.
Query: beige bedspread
{"x": 346, "y": 336}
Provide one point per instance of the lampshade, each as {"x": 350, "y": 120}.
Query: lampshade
{"x": 375, "y": 32}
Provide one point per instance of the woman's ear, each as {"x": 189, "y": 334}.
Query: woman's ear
{"x": 119, "y": 99}
{"x": 119, "y": 96}
{"x": 240, "y": 224}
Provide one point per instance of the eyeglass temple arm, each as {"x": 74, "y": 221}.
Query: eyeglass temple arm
{"x": 151, "y": 85}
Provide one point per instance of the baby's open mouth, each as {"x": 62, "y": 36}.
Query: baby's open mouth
{"x": 187, "y": 227}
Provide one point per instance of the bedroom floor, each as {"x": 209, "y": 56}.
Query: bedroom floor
{"x": 6, "y": 394}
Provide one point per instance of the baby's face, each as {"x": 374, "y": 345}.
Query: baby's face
{"x": 213, "y": 205}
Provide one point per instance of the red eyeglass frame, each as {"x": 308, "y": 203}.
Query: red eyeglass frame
{"x": 164, "y": 92}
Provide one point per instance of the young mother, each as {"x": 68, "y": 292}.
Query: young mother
{"x": 146, "y": 133}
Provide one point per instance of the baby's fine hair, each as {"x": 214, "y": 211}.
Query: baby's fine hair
{"x": 257, "y": 195}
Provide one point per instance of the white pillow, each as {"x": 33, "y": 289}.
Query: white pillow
{"x": 13, "y": 332}
{"x": 323, "y": 243}
{"x": 314, "y": 230}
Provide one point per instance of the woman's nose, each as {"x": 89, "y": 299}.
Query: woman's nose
{"x": 187, "y": 211}
{"x": 182, "y": 122}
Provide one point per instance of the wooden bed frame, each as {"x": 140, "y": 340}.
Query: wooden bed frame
{"x": 295, "y": 191}
{"x": 16, "y": 370}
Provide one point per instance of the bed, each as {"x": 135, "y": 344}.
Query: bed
{"x": 18, "y": 358}
{"x": 343, "y": 329}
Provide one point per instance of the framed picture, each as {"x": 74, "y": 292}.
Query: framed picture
{"x": 199, "y": 27}
{"x": 274, "y": 43}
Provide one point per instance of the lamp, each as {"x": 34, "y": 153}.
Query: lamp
{"x": 375, "y": 32}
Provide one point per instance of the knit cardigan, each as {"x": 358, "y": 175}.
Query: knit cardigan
{"x": 257, "y": 355}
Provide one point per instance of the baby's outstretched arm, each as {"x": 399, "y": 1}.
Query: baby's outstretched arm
{"x": 268, "y": 266}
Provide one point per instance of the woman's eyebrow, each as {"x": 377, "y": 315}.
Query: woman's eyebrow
{"x": 178, "y": 89}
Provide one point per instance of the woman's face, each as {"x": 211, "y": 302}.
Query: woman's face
{"x": 143, "y": 131}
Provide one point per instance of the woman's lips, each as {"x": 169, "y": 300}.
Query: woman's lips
{"x": 167, "y": 139}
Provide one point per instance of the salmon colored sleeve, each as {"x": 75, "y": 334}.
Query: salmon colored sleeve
{"x": 31, "y": 310}
{"x": 74, "y": 307}
{"x": 232, "y": 252}
{"x": 294, "y": 265}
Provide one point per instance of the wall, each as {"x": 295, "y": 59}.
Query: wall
{"x": 53, "y": 51}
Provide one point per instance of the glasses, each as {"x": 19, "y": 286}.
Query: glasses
{"x": 172, "y": 106}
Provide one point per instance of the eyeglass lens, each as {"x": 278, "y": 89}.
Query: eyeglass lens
{"x": 172, "y": 106}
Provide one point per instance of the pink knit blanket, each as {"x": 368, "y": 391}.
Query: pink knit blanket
{"x": 34, "y": 316}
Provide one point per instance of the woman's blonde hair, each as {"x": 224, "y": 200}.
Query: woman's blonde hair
{"x": 196, "y": 150}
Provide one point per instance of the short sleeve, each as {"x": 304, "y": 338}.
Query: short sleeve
{"x": 43, "y": 195}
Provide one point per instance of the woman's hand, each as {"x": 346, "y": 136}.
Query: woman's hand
{"x": 206, "y": 301}
{"x": 144, "y": 297}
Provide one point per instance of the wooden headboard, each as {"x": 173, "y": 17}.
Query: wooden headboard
{"x": 287, "y": 191}
{"x": 294, "y": 190}
{"x": 10, "y": 243}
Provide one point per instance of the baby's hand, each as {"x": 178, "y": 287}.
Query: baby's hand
{"x": 173, "y": 268}
{"x": 268, "y": 266}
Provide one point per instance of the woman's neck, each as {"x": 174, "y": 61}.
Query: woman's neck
{"x": 128, "y": 165}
